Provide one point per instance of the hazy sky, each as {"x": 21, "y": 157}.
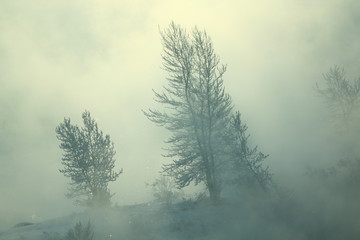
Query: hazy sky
{"x": 60, "y": 57}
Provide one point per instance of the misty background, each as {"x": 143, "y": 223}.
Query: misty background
{"x": 58, "y": 58}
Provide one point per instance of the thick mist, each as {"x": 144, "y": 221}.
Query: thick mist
{"x": 58, "y": 58}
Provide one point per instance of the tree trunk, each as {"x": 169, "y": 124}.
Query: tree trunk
{"x": 214, "y": 192}
{"x": 212, "y": 186}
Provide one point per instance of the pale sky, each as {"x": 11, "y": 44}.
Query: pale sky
{"x": 60, "y": 57}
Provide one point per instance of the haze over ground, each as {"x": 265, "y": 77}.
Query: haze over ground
{"x": 59, "y": 58}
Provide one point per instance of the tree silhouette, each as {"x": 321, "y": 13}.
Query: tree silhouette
{"x": 88, "y": 161}
{"x": 198, "y": 109}
{"x": 340, "y": 94}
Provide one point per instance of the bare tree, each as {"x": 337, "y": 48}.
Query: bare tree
{"x": 197, "y": 108}
{"x": 343, "y": 98}
{"x": 246, "y": 162}
{"x": 341, "y": 95}
{"x": 88, "y": 161}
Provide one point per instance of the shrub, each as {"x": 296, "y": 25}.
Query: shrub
{"x": 80, "y": 232}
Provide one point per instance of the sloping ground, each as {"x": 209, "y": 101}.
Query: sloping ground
{"x": 186, "y": 220}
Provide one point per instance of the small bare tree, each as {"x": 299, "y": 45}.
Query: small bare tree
{"x": 340, "y": 94}
{"x": 88, "y": 161}
{"x": 246, "y": 162}
{"x": 343, "y": 98}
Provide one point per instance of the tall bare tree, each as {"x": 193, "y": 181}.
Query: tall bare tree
{"x": 197, "y": 108}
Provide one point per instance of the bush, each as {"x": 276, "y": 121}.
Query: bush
{"x": 79, "y": 232}
{"x": 165, "y": 191}
{"x": 51, "y": 236}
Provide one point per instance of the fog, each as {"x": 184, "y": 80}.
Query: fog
{"x": 58, "y": 58}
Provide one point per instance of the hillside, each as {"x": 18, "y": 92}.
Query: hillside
{"x": 185, "y": 220}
